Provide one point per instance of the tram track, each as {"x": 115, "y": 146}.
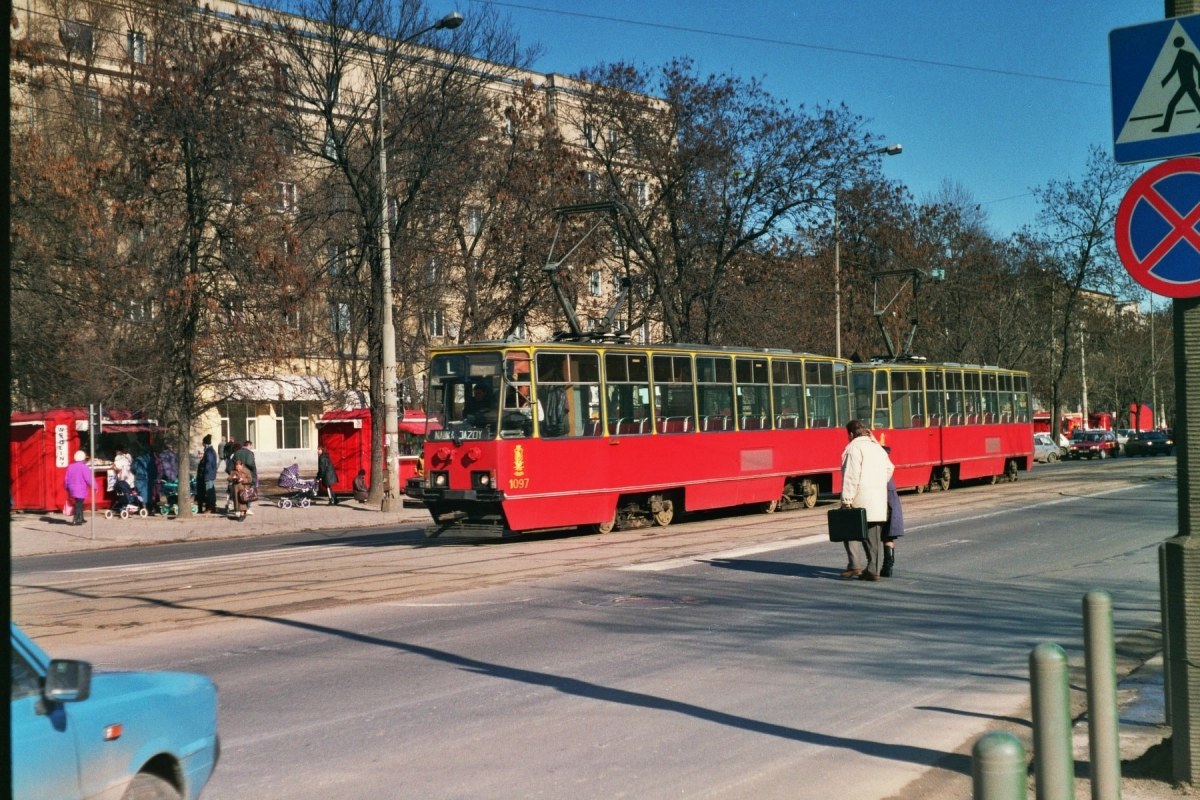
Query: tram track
{"x": 119, "y": 600}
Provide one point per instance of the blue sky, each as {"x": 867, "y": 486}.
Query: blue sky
{"x": 997, "y": 135}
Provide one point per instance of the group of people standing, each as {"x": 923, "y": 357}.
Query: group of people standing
{"x": 141, "y": 472}
{"x": 240, "y": 469}
{"x": 867, "y": 483}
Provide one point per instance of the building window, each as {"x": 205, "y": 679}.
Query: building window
{"x": 135, "y": 46}
{"x": 550, "y": 110}
{"x": 291, "y": 426}
{"x": 332, "y": 87}
{"x": 330, "y": 146}
{"x": 79, "y": 38}
{"x": 283, "y": 77}
{"x": 589, "y": 134}
{"x": 88, "y": 99}
{"x": 285, "y": 196}
{"x": 594, "y": 283}
{"x": 510, "y": 125}
{"x": 437, "y": 324}
{"x": 337, "y": 260}
{"x": 612, "y": 138}
{"x": 291, "y": 319}
{"x": 641, "y": 192}
{"x": 339, "y": 317}
{"x": 474, "y": 220}
{"x": 591, "y": 181}
{"x": 519, "y": 331}
{"x": 239, "y": 422}
{"x": 433, "y": 271}
{"x": 476, "y": 265}
{"x": 393, "y": 210}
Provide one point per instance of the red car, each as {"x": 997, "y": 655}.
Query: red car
{"x": 1093, "y": 444}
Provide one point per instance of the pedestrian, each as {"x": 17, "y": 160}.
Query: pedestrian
{"x": 361, "y": 492}
{"x": 206, "y": 479}
{"x": 866, "y": 470}
{"x": 145, "y": 476}
{"x": 245, "y": 455}
{"x": 78, "y": 481}
{"x": 123, "y": 466}
{"x": 239, "y": 481}
{"x": 894, "y": 528}
{"x": 326, "y": 474}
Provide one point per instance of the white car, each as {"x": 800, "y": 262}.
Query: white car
{"x": 1044, "y": 448}
{"x": 1123, "y": 435}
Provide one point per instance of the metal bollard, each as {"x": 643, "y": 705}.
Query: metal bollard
{"x": 1104, "y": 742}
{"x": 1053, "y": 757}
{"x": 998, "y": 767}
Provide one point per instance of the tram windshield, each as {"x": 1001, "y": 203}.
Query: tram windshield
{"x": 464, "y": 396}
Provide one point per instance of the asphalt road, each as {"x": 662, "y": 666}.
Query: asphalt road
{"x": 760, "y": 675}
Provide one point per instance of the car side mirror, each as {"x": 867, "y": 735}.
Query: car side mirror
{"x": 68, "y": 681}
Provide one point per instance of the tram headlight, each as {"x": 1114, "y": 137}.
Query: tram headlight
{"x": 482, "y": 479}
{"x": 441, "y": 480}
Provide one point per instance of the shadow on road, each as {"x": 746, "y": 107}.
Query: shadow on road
{"x": 784, "y": 568}
{"x": 960, "y": 713}
{"x": 923, "y": 756}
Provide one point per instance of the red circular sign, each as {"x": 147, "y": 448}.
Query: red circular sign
{"x": 1157, "y": 235}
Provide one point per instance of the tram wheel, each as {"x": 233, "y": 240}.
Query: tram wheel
{"x": 603, "y": 527}
{"x": 663, "y": 517}
{"x": 810, "y": 494}
{"x": 922, "y": 488}
{"x": 768, "y": 508}
{"x": 943, "y": 479}
{"x": 1010, "y": 470}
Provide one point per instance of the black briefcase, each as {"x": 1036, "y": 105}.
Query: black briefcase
{"x": 847, "y": 524}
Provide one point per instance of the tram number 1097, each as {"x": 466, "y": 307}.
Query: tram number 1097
{"x": 518, "y": 483}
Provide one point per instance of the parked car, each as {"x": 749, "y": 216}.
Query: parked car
{"x": 129, "y": 735}
{"x": 1044, "y": 448}
{"x": 1093, "y": 444}
{"x": 1149, "y": 443}
{"x": 1123, "y": 435}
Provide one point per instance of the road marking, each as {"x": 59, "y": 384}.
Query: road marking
{"x": 783, "y": 544}
{"x": 741, "y": 552}
{"x": 206, "y": 561}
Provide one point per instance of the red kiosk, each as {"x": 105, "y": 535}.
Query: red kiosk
{"x": 43, "y": 443}
{"x": 346, "y": 435}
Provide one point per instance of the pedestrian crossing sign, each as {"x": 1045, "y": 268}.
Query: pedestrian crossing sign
{"x": 1155, "y": 80}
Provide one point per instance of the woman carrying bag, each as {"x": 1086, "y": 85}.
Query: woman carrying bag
{"x": 242, "y": 483}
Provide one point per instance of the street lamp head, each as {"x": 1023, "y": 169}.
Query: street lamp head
{"x": 449, "y": 22}
{"x": 893, "y": 149}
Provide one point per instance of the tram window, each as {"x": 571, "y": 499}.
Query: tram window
{"x": 1021, "y": 395}
{"x": 516, "y": 414}
{"x": 860, "y": 392}
{"x": 674, "y": 401}
{"x": 1006, "y": 398}
{"x": 956, "y": 413}
{"x": 568, "y": 390}
{"x": 627, "y": 393}
{"x": 935, "y": 393}
{"x": 753, "y": 395}
{"x": 842, "y": 387}
{"x": 818, "y": 394}
{"x": 882, "y": 418}
{"x": 788, "y": 377}
{"x": 714, "y": 393}
{"x": 908, "y": 399}
{"x": 991, "y": 398}
{"x": 972, "y": 401}
{"x": 464, "y": 395}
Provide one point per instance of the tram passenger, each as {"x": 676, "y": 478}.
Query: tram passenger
{"x": 866, "y": 470}
{"x": 479, "y": 409}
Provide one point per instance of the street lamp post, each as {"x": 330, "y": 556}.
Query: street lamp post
{"x": 391, "y": 432}
{"x": 890, "y": 150}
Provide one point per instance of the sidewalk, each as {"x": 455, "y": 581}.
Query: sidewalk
{"x": 39, "y": 534}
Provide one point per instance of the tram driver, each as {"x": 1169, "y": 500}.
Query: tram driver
{"x": 480, "y": 408}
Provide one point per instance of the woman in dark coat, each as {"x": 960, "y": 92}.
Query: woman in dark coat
{"x": 326, "y": 474}
{"x": 893, "y": 529}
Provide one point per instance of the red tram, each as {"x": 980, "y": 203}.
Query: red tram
{"x": 601, "y": 435}
{"x": 946, "y": 422}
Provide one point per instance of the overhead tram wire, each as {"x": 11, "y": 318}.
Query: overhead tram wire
{"x": 802, "y": 45}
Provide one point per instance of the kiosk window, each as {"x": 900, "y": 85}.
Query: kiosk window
{"x": 673, "y": 398}
{"x": 568, "y": 392}
{"x": 788, "y": 377}
{"x": 627, "y": 393}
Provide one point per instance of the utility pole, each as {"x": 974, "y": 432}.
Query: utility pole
{"x": 1083, "y": 375}
{"x": 391, "y": 473}
{"x": 1153, "y": 371}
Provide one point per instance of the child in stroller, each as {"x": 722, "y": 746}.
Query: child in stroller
{"x": 302, "y": 492}
{"x": 125, "y": 502}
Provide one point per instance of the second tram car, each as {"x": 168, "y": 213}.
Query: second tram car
{"x": 946, "y": 422}
{"x": 536, "y": 436}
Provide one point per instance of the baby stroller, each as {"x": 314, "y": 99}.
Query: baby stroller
{"x": 302, "y": 492}
{"x": 168, "y": 496}
{"x": 126, "y": 502}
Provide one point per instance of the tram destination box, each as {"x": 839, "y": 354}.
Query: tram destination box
{"x": 847, "y": 524}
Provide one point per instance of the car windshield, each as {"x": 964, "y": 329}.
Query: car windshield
{"x": 1152, "y": 437}
{"x": 1095, "y": 437}
{"x": 464, "y": 396}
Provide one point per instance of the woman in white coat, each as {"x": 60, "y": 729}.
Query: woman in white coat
{"x": 866, "y": 470}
